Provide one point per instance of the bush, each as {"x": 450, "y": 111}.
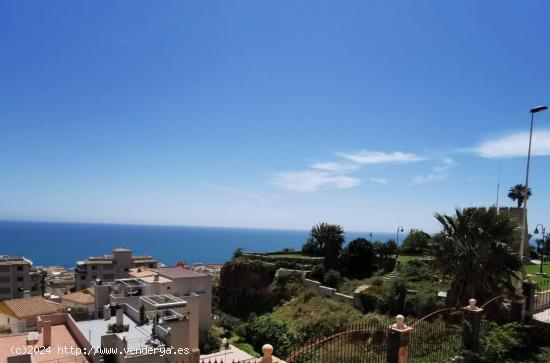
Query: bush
{"x": 229, "y": 323}
{"x": 421, "y": 304}
{"x": 508, "y": 342}
{"x": 332, "y": 279}
{"x": 369, "y": 302}
{"x": 208, "y": 342}
{"x": 318, "y": 273}
{"x": 395, "y": 296}
{"x": 266, "y": 329}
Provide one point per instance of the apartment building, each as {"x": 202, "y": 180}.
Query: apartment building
{"x": 108, "y": 268}
{"x": 180, "y": 282}
{"x": 15, "y": 277}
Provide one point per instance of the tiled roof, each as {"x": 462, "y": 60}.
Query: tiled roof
{"x": 31, "y": 306}
{"x": 84, "y": 297}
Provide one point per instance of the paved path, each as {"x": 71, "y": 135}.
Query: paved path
{"x": 543, "y": 316}
{"x": 229, "y": 355}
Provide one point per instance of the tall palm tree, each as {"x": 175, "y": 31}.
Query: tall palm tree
{"x": 329, "y": 238}
{"x": 474, "y": 250}
{"x": 517, "y": 193}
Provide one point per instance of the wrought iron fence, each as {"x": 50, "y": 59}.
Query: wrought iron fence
{"x": 16, "y": 328}
{"x": 541, "y": 303}
{"x": 437, "y": 336}
{"x": 358, "y": 343}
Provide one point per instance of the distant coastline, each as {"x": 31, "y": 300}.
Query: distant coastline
{"x": 63, "y": 244}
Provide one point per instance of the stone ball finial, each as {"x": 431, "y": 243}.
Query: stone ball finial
{"x": 267, "y": 349}
{"x": 529, "y": 277}
{"x": 472, "y": 303}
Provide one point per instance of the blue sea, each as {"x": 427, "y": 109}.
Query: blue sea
{"x": 62, "y": 244}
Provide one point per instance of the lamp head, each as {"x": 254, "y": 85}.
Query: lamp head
{"x": 538, "y": 109}
{"x": 536, "y": 231}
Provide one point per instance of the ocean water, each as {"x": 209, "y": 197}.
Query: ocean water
{"x": 47, "y": 243}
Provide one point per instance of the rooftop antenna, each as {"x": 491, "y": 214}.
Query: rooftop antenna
{"x": 498, "y": 185}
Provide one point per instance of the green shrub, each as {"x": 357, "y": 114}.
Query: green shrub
{"x": 332, "y": 279}
{"x": 208, "y": 342}
{"x": 369, "y": 302}
{"x": 318, "y": 273}
{"x": 507, "y": 343}
{"x": 266, "y": 329}
{"x": 229, "y": 323}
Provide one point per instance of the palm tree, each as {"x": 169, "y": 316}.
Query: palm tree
{"x": 474, "y": 250}
{"x": 517, "y": 193}
{"x": 43, "y": 279}
{"x": 329, "y": 238}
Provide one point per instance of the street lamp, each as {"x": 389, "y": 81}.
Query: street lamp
{"x": 523, "y": 240}
{"x": 399, "y": 229}
{"x": 543, "y": 233}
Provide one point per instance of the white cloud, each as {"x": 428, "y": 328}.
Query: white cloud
{"x": 378, "y": 180}
{"x": 310, "y": 181}
{"x": 215, "y": 186}
{"x": 515, "y": 145}
{"x": 438, "y": 174}
{"x": 423, "y": 179}
{"x": 334, "y": 167}
{"x": 379, "y": 157}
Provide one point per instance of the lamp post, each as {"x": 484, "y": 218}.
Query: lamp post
{"x": 543, "y": 233}
{"x": 399, "y": 229}
{"x": 523, "y": 240}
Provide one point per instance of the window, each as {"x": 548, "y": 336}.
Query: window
{"x": 168, "y": 287}
{"x": 20, "y": 278}
{"x": 19, "y": 268}
{"x": 82, "y": 277}
{"x": 94, "y": 267}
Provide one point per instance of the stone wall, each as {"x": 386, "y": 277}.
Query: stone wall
{"x": 329, "y": 291}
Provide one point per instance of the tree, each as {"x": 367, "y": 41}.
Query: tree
{"x": 517, "y": 193}
{"x": 326, "y": 239}
{"x": 239, "y": 252}
{"x": 358, "y": 258}
{"x": 43, "y": 279}
{"x": 416, "y": 242}
{"x": 474, "y": 249}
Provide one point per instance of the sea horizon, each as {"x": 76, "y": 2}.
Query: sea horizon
{"x": 55, "y": 243}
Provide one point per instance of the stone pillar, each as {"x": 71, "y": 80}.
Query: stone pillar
{"x": 472, "y": 326}
{"x": 529, "y": 287}
{"x": 267, "y": 349}
{"x": 120, "y": 317}
{"x": 195, "y": 356}
{"x": 517, "y": 311}
{"x": 398, "y": 341}
{"x": 47, "y": 333}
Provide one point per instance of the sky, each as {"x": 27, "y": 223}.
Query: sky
{"x": 276, "y": 114}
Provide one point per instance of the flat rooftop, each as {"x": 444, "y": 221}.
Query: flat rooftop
{"x": 137, "y": 336}
{"x": 164, "y": 300}
{"x": 61, "y": 337}
{"x": 177, "y": 272}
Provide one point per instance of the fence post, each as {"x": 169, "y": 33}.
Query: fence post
{"x": 529, "y": 287}
{"x": 267, "y": 349}
{"x": 195, "y": 355}
{"x": 398, "y": 341}
{"x": 472, "y": 326}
